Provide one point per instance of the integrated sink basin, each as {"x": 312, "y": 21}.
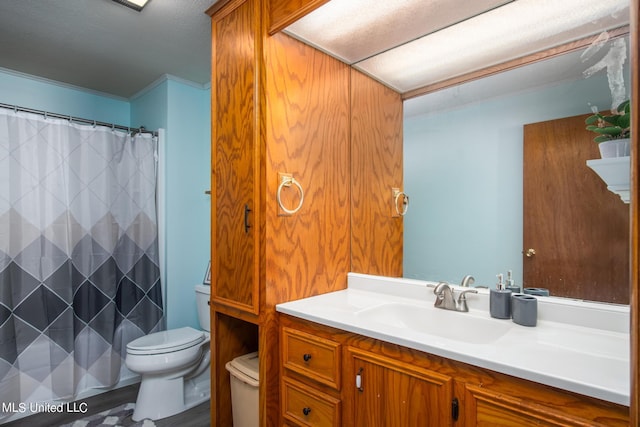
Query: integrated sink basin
{"x": 452, "y": 325}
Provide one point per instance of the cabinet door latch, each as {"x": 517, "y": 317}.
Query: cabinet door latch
{"x": 455, "y": 409}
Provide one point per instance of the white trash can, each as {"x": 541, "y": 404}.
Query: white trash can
{"x": 244, "y": 390}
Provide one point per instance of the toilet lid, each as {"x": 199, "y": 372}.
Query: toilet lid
{"x": 173, "y": 339}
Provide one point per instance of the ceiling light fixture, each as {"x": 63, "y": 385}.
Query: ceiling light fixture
{"x": 469, "y": 40}
{"x": 133, "y": 4}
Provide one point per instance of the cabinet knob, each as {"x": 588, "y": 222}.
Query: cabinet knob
{"x": 306, "y": 411}
{"x": 306, "y": 357}
{"x": 530, "y": 252}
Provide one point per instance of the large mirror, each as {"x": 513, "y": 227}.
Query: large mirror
{"x": 463, "y": 165}
{"x": 463, "y": 146}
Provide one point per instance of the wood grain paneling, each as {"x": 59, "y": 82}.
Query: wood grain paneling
{"x": 311, "y": 356}
{"x": 396, "y": 394}
{"x": 579, "y": 229}
{"x": 234, "y": 258}
{"x": 376, "y": 167}
{"x": 304, "y": 406}
{"x": 485, "y": 407}
{"x": 307, "y": 136}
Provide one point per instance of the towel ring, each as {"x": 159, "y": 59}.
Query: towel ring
{"x": 287, "y": 181}
{"x": 405, "y": 203}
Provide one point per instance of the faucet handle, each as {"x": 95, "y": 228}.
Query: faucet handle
{"x": 467, "y": 281}
{"x": 462, "y": 299}
{"x": 441, "y": 287}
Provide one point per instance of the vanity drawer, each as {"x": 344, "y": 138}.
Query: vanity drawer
{"x": 314, "y": 357}
{"x": 305, "y": 406}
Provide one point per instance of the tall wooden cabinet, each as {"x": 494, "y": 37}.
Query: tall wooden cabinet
{"x": 236, "y": 153}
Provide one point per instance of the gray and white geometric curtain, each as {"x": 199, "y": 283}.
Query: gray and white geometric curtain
{"x": 79, "y": 262}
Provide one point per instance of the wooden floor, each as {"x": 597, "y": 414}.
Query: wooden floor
{"x": 195, "y": 417}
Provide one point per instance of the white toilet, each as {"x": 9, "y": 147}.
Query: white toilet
{"x": 174, "y": 365}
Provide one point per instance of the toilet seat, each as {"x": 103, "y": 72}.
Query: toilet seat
{"x": 166, "y": 341}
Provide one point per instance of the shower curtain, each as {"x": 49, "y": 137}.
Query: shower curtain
{"x": 79, "y": 262}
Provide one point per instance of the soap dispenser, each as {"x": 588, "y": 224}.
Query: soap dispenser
{"x": 511, "y": 284}
{"x": 500, "y": 300}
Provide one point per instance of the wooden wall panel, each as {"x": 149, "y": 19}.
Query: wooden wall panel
{"x": 307, "y": 135}
{"x": 376, "y": 167}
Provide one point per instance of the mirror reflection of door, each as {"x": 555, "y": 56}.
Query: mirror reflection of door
{"x": 577, "y": 228}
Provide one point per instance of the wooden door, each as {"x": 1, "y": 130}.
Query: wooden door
{"x": 235, "y": 148}
{"x": 396, "y": 394}
{"x": 578, "y": 229}
{"x": 482, "y": 407}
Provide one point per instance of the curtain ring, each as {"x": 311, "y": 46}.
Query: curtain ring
{"x": 405, "y": 203}
{"x": 287, "y": 181}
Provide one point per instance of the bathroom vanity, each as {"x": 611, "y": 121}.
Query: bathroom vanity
{"x": 380, "y": 354}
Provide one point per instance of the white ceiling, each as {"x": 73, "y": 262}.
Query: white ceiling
{"x": 409, "y": 44}
{"x": 361, "y": 29}
{"x": 104, "y": 46}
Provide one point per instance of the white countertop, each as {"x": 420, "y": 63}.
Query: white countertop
{"x": 577, "y": 346}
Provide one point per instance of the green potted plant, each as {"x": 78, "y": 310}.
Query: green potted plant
{"x": 612, "y": 131}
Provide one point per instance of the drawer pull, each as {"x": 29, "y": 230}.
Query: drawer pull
{"x": 306, "y": 411}
{"x": 306, "y": 357}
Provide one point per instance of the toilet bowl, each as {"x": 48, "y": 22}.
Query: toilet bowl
{"x": 174, "y": 366}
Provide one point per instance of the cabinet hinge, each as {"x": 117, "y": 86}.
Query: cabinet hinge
{"x": 455, "y": 409}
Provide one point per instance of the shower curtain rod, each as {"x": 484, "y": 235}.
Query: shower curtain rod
{"x": 46, "y": 114}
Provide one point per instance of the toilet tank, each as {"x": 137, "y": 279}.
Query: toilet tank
{"x": 203, "y": 292}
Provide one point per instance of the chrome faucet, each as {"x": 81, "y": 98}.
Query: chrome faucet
{"x": 445, "y": 298}
{"x": 467, "y": 280}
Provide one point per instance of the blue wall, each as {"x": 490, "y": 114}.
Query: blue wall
{"x": 463, "y": 172}
{"x": 41, "y": 94}
{"x": 182, "y": 109}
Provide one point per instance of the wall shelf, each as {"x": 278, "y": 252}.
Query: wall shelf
{"x": 615, "y": 172}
